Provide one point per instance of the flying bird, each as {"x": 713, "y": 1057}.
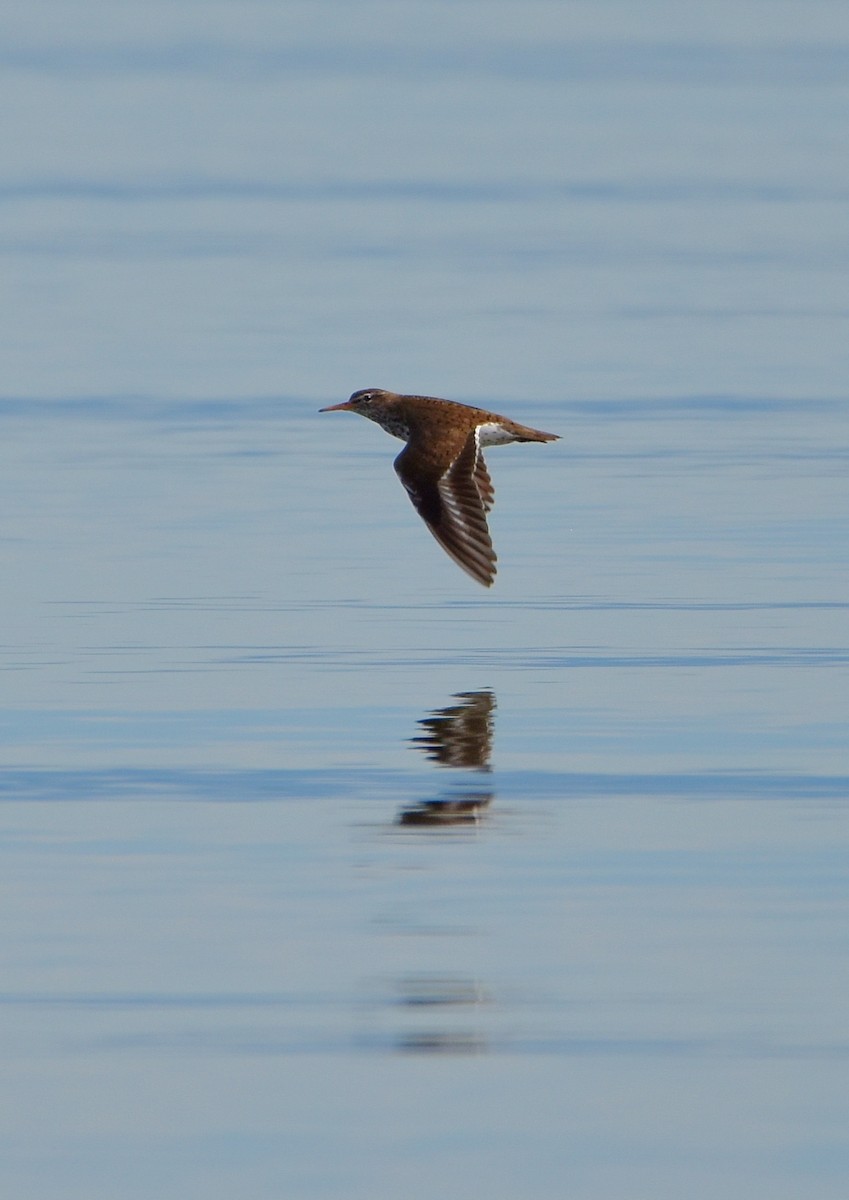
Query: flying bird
{"x": 442, "y": 466}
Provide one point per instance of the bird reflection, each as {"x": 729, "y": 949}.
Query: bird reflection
{"x": 443, "y": 1013}
{"x": 459, "y": 810}
{"x": 445, "y": 998}
{"x": 460, "y": 736}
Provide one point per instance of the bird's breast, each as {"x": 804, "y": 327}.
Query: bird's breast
{"x": 393, "y": 423}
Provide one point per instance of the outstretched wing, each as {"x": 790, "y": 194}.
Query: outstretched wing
{"x": 453, "y": 499}
{"x": 483, "y": 482}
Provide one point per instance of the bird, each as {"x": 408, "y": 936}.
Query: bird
{"x": 442, "y": 466}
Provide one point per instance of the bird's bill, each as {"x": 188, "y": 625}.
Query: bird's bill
{"x": 346, "y": 407}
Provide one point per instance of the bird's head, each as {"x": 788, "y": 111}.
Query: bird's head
{"x": 364, "y": 402}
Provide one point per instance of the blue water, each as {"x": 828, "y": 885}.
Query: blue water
{"x": 327, "y": 873}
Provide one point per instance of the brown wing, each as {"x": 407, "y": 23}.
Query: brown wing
{"x": 453, "y": 499}
{"x": 484, "y": 483}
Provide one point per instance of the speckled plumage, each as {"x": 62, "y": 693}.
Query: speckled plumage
{"x": 442, "y": 466}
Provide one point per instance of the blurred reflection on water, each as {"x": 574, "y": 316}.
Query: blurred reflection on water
{"x": 451, "y": 996}
{"x": 458, "y": 736}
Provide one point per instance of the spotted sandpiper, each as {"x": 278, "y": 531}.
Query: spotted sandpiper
{"x": 442, "y": 466}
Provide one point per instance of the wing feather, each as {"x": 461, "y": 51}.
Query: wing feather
{"x": 453, "y": 500}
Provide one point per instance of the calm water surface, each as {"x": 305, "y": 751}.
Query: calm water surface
{"x": 327, "y": 873}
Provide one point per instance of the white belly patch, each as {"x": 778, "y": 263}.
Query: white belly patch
{"x": 491, "y": 434}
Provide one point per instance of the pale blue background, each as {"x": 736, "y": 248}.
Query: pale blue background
{"x": 227, "y": 970}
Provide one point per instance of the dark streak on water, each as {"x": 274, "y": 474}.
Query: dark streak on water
{"x": 242, "y": 787}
